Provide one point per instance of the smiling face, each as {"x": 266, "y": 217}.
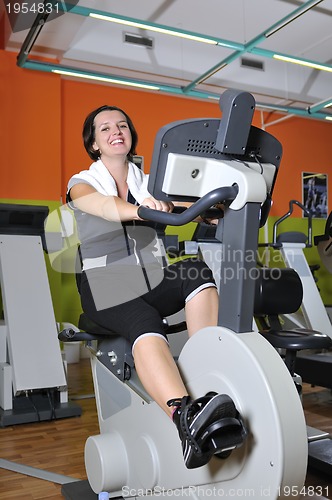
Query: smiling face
{"x": 112, "y": 134}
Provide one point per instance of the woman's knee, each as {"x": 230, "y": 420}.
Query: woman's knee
{"x": 146, "y": 341}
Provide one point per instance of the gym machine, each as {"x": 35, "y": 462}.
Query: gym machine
{"x": 291, "y": 245}
{"x": 33, "y": 385}
{"x": 324, "y": 244}
{"x": 313, "y": 366}
{"x": 138, "y": 453}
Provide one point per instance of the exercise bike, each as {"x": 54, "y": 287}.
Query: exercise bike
{"x": 138, "y": 453}
{"x": 314, "y": 367}
{"x": 324, "y": 244}
{"x": 291, "y": 245}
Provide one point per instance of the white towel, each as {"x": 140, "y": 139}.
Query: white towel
{"x": 100, "y": 178}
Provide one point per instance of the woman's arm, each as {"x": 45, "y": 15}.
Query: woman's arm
{"x": 111, "y": 208}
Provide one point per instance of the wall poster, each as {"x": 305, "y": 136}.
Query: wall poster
{"x": 314, "y": 193}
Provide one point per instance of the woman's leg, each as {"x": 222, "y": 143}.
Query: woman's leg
{"x": 160, "y": 377}
{"x": 157, "y": 370}
{"x": 202, "y": 310}
{"x": 187, "y": 284}
{"x": 154, "y": 362}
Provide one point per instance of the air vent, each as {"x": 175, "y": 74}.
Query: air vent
{"x": 252, "y": 64}
{"x": 201, "y": 146}
{"x": 141, "y": 41}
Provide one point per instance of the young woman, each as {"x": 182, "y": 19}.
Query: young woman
{"x": 126, "y": 288}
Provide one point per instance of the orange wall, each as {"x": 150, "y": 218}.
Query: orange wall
{"x": 305, "y": 149}
{"x": 30, "y": 132}
{"x": 41, "y": 123}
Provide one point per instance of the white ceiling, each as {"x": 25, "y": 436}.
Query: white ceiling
{"x": 85, "y": 43}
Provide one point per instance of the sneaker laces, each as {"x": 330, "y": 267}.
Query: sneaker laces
{"x": 185, "y": 409}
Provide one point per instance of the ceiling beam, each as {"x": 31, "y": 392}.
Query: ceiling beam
{"x": 168, "y": 89}
{"x": 189, "y": 90}
{"x": 251, "y": 45}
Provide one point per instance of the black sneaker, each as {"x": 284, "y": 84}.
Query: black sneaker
{"x": 208, "y": 426}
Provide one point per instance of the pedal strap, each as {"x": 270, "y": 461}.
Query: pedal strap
{"x": 225, "y": 434}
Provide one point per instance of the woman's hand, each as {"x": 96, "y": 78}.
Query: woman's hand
{"x": 164, "y": 206}
{"x": 214, "y": 222}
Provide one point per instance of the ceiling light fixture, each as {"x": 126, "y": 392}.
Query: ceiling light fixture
{"x": 303, "y": 62}
{"x": 105, "y": 79}
{"x": 158, "y": 29}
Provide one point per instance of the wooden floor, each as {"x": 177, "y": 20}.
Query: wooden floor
{"x": 57, "y": 446}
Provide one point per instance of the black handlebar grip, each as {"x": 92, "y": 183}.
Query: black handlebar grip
{"x": 218, "y": 195}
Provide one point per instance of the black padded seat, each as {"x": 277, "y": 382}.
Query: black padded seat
{"x": 297, "y": 339}
{"x": 279, "y": 291}
{"x": 293, "y": 341}
{"x": 315, "y": 368}
{"x": 89, "y": 331}
{"x": 87, "y": 325}
{"x": 292, "y": 237}
{"x": 114, "y": 351}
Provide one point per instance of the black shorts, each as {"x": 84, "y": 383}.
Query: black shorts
{"x": 143, "y": 314}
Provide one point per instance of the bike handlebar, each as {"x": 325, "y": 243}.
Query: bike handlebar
{"x": 218, "y": 195}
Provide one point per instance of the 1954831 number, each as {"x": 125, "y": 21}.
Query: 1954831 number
{"x": 38, "y": 8}
{"x": 307, "y": 491}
